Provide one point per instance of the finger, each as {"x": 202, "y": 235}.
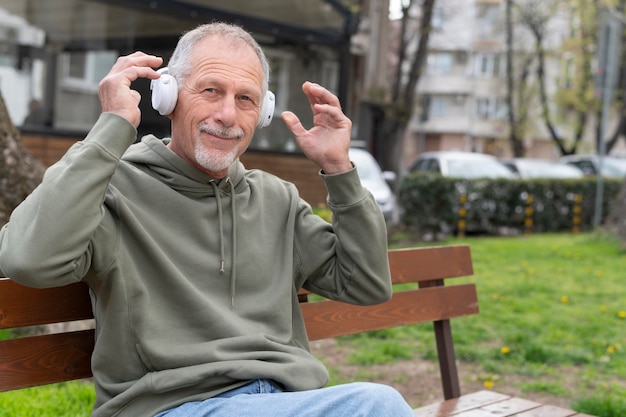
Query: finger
{"x": 125, "y": 77}
{"x": 319, "y": 95}
{"x": 138, "y": 59}
{"x": 134, "y": 66}
{"x": 293, "y": 123}
{"x": 330, "y": 116}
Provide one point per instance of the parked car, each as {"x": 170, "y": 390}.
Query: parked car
{"x": 542, "y": 168}
{"x": 611, "y": 166}
{"x": 461, "y": 165}
{"x": 377, "y": 182}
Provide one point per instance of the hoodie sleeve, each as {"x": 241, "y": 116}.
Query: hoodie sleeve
{"x": 351, "y": 262}
{"x": 46, "y": 242}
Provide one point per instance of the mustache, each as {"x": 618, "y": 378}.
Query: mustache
{"x": 222, "y": 132}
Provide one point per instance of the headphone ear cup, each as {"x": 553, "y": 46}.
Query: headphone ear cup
{"x": 164, "y": 92}
{"x": 267, "y": 110}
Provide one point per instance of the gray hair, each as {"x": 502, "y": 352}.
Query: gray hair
{"x": 180, "y": 65}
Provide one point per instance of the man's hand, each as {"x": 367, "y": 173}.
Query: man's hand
{"x": 114, "y": 90}
{"x": 328, "y": 141}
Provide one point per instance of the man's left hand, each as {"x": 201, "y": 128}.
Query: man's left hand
{"x": 328, "y": 141}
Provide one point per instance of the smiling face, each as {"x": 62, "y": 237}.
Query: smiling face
{"x": 218, "y": 105}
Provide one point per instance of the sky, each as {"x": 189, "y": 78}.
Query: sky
{"x": 395, "y": 9}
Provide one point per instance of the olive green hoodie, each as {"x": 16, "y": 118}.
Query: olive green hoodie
{"x": 194, "y": 281}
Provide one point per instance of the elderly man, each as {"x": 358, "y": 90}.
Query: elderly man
{"x": 194, "y": 262}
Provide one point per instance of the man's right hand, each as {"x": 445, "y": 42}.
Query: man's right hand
{"x": 114, "y": 90}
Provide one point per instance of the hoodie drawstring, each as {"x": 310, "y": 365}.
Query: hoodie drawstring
{"x": 233, "y": 268}
{"x": 221, "y": 233}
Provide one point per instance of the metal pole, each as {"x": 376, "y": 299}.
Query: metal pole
{"x": 611, "y": 38}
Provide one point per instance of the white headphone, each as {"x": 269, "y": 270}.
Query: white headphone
{"x": 165, "y": 95}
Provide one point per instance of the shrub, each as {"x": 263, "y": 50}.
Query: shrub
{"x": 436, "y": 204}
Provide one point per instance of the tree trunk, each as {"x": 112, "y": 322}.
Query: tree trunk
{"x": 20, "y": 171}
{"x": 515, "y": 139}
{"x": 397, "y": 114}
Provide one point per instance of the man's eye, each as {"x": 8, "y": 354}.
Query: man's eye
{"x": 246, "y": 98}
{"x": 210, "y": 90}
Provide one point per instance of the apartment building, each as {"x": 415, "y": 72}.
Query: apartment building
{"x": 462, "y": 90}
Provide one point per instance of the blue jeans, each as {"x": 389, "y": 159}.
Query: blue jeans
{"x": 262, "y": 398}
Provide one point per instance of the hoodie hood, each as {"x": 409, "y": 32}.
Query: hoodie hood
{"x": 152, "y": 156}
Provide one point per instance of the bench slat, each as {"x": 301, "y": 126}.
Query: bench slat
{"x": 45, "y": 359}
{"x": 489, "y": 404}
{"x": 331, "y": 318}
{"x": 429, "y": 263}
{"x": 23, "y": 306}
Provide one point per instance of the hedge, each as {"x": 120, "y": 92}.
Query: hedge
{"x": 433, "y": 204}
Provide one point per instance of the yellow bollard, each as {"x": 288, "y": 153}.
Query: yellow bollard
{"x": 461, "y": 223}
{"x": 528, "y": 219}
{"x": 576, "y": 213}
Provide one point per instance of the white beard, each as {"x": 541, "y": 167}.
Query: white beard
{"x": 216, "y": 160}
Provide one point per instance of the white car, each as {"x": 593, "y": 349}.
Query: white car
{"x": 376, "y": 182}
{"x": 457, "y": 164}
{"x": 542, "y": 168}
{"x": 612, "y": 167}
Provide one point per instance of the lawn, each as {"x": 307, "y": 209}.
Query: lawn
{"x": 552, "y": 322}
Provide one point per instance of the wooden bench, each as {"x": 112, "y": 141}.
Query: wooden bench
{"x": 44, "y": 359}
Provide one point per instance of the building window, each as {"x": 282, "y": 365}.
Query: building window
{"x": 489, "y": 65}
{"x": 280, "y": 68}
{"x": 494, "y": 108}
{"x": 483, "y": 108}
{"x": 330, "y": 75}
{"x": 437, "y": 107}
{"x": 84, "y": 70}
{"x": 439, "y": 63}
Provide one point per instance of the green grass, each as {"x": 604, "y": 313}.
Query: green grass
{"x": 71, "y": 399}
{"x": 610, "y": 403}
{"x": 555, "y": 300}
{"x": 552, "y": 312}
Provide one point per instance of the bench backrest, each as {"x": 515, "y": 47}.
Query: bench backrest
{"x": 43, "y": 359}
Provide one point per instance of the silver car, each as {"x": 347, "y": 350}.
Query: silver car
{"x": 612, "y": 167}
{"x": 527, "y": 168}
{"x": 458, "y": 164}
{"x": 376, "y": 181}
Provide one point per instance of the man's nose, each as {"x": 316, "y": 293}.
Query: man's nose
{"x": 227, "y": 111}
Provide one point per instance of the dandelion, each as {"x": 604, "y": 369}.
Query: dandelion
{"x": 598, "y": 274}
{"x": 505, "y": 350}
{"x": 603, "y": 309}
{"x": 610, "y": 349}
{"x": 488, "y": 384}
{"x": 622, "y": 314}
{"x": 564, "y": 299}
